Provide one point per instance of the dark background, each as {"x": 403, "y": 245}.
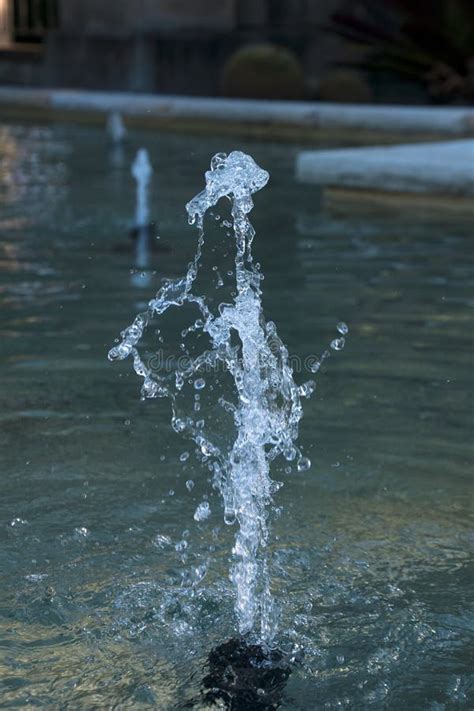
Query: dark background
{"x": 362, "y": 51}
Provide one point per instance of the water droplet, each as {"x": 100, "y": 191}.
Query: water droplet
{"x": 229, "y": 517}
{"x": 200, "y": 383}
{"x": 18, "y": 522}
{"x": 177, "y": 424}
{"x": 184, "y": 456}
{"x": 307, "y": 389}
{"x": 314, "y": 366}
{"x": 161, "y": 541}
{"x": 199, "y": 573}
{"x": 36, "y": 577}
{"x": 342, "y": 328}
{"x": 202, "y": 512}
{"x": 81, "y": 532}
{"x": 206, "y": 447}
{"x": 303, "y": 464}
{"x": 338, "y": 344}
{"x": 190, "y": 485}
{"x": 218, "y": 161}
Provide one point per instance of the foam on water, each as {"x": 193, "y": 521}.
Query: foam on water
{"x": 267, "y": 401}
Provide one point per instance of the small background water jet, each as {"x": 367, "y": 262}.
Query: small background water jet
{"x": 142, "y": 172}
{"x": 116, "y": 130}
{"x": 141, "y": 231}
{"x": 265, "y": 403}
{"x": 117, "y": 134}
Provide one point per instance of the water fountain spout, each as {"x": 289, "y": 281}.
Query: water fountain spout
{"x": 266, "y": 405}
{"x": 245, "y": 677}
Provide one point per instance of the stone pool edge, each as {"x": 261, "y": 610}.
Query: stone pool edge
{"x": 288, "y": 120}
{"x": 425, "y": 176}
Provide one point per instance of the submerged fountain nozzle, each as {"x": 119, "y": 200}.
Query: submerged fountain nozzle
{"x": 245, "y": 677}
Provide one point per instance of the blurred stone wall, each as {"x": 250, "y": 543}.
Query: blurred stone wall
{"x": 129, "y": 16}
{"x": 171, "y": 46}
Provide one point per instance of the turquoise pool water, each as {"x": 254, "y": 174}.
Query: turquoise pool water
{"x": 102, "y": 603}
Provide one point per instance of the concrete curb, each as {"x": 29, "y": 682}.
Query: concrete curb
{"x": 306, "y": 116}
{"x": 445, "y": 168}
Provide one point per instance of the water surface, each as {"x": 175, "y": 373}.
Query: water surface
{"x": 103, "y": 603}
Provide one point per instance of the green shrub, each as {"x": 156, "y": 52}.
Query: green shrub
{"x": 430, "y": 42}
{"x": 263, "y": 71}
{"x": 344, "y": 85}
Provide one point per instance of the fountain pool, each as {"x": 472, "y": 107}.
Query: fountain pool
{"x": 112, "y": 593}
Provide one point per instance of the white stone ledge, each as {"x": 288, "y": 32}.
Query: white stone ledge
{"x": 444, "y": 168}
{"x": 309, "y": 115}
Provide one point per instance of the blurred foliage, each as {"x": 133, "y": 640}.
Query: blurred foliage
{"x": 263, "y": 71}
{"x": 346, "y": 86}
{"x": 428, "y": 41}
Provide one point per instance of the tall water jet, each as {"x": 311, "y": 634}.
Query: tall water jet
{"x": 265, "y": 406}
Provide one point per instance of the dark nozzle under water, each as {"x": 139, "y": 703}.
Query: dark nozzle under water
{"x": 245, "y": 677}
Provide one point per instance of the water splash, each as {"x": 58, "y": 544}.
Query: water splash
{"x": 266, "y": 407}
{"x": 142, "y": 171}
